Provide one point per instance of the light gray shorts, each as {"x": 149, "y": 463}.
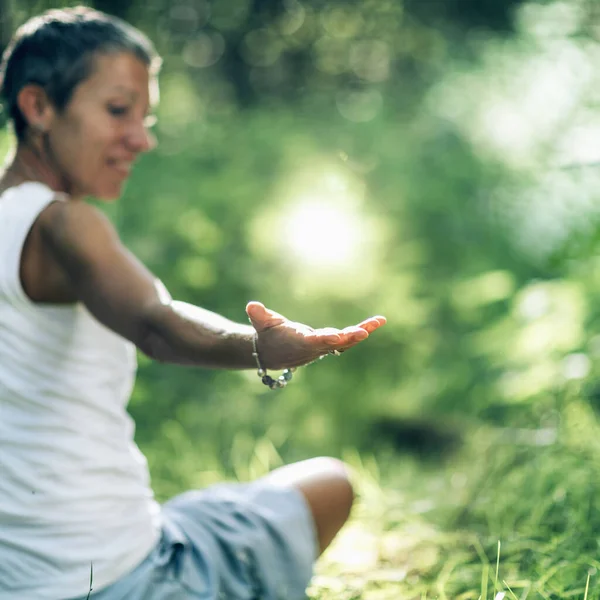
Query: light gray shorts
{"x": 228, "y": 542}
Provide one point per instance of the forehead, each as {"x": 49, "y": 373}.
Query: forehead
{"x": 119, "y": 73}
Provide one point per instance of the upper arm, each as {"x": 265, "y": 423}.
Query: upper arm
{"x": 115, "y": 286}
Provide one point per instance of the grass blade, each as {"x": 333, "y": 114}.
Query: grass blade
{"x": 497, "y": 569}
{"x": 91, "y": 580}
{"x": 484, "y": 581}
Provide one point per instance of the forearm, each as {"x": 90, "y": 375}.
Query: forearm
{"x": 181, "y": 333}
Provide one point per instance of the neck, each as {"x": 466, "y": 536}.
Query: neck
{"x": 31, "y": 162}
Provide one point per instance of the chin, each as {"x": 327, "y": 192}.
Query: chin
{"x": 107, "y": 197}
{"x": 108, "y": 194}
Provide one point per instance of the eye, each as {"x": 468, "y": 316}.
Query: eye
{"x": 117, "y": 111}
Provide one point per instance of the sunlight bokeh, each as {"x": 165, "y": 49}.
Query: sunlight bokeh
{"x": 322, "y": 232}
{"x": 323, "y": 235}
{"x": 323, "y": 223}
{"x": 320, "y": 220}
{"x": 534, "y": 109}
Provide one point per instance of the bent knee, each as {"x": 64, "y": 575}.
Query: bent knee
{"x": 323, "y": 473}
{"x": 337, "y": 471}
{"x": 327, "y": 465}
{"x": 331, "y": 478}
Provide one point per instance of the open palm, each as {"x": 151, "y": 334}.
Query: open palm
{"x": 283, "y": 343}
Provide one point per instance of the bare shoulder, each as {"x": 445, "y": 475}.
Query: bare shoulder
{"x": 74, "y": 230}
{"x": 64, "y": 239}
{"x": 93, "y": 267}
{"x": 73, "y": 220}
{"x": 57, "y": 238}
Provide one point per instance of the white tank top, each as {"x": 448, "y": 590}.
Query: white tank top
{"x": 74, "y": 488}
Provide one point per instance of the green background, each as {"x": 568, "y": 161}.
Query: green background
{"x": 435, "y": 162}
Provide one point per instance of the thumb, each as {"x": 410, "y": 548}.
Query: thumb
{"x": 261, "y": 317}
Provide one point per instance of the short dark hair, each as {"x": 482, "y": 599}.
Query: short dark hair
{"x": 56, "y": 51}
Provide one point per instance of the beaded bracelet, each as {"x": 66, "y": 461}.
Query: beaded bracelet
{"x": 273, "y": 384}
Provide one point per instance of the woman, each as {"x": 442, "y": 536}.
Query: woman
{"x": 75, "y": 501}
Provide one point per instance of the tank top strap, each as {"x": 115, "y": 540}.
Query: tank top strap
{"x": 20, "y": 206}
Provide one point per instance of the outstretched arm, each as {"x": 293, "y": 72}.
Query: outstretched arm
{"x": 123, "y": 295}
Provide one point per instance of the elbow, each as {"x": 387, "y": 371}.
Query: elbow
{"x": 150, "y": 342}
{"x": 160, "y": 343}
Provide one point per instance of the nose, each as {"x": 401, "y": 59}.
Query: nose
{"x": 141, "y": 139}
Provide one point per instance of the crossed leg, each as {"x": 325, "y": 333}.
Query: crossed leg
{"x": 325, "y": 484}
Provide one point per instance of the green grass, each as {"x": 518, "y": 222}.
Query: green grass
{"x": 502, "y": 522}
{"x": 514, "y": 516}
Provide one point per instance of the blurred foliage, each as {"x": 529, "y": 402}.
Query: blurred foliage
{"x": 434, "y": 162}
{"x": 515, "y": 517}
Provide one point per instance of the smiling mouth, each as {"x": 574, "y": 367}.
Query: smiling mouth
{"x": 122, "y": 166}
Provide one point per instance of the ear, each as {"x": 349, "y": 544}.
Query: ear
{"x": 36, "y": 107}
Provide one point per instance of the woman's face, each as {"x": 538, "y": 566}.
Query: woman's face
{"x": 94, "y": 142}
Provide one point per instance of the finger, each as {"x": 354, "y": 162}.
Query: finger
{"x": 340, "y": 336}
{"x": 355, "y": 330}
{"x": 348, "y": 338}
{"x": 351, "y": 336}
{"x": 372, "y": 323}
{"x": 261, "y": 317}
